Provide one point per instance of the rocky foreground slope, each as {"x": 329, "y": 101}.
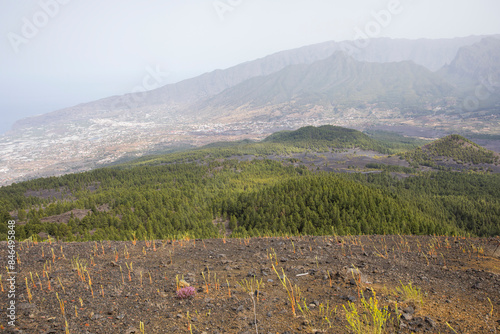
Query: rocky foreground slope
{"x": 124, "y": 287}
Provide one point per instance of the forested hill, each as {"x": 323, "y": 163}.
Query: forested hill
{"x": 452, "y": 148}
{"x": 333, "y": 136}
{"x": 284, "y": 143}
{"x": 461, "y": 149}
{"x": 248, "y": 198}
{"x": 216, "y": 191}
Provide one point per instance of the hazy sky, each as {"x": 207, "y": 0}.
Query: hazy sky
{"x": 58, "y": 53}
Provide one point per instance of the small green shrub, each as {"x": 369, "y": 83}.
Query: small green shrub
{"x": 410, "y": 294}
{"x": 369, "y": 319}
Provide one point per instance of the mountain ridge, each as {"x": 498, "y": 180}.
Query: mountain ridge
{"x": 476, "y": 64}
{"x": 212, "y": 83}
{"x": 338, "y": 79}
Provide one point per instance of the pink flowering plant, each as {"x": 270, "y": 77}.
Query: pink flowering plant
{"x": 186, "y": 292}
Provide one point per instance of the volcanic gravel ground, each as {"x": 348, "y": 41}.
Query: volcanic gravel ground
{"x": 459, "y": 282}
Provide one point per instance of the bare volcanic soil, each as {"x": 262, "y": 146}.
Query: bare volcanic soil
{"x": 130, "y": 287}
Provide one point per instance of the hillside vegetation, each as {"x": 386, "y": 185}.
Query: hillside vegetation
{"x": 260, "y": 197}
{"x": 454, "y": 147}
{"x": 283, "y": 143}
{"x": 326, "y": 136}
{"x": 210, "y": 192}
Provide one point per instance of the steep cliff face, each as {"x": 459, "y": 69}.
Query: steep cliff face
{"x": 475, "y": 63}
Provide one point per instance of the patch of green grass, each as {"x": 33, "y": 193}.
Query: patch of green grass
{"x": 252, "y": 285}
{"x": 369, "y": 318}
{"x": 410, "y": 294}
